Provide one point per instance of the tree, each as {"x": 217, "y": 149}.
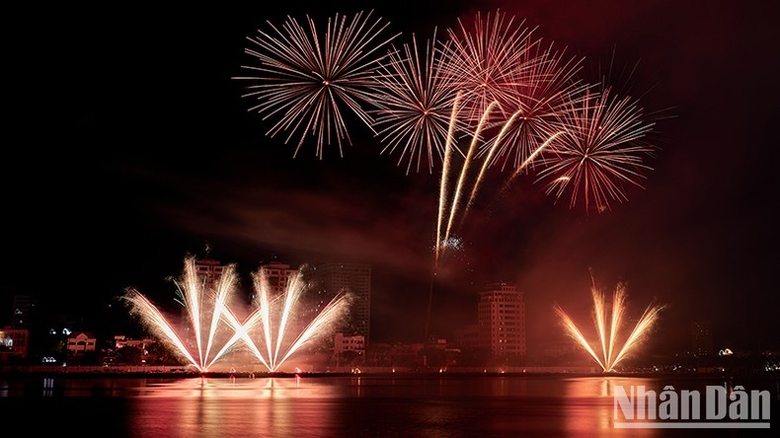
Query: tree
{"x": 129, "y": 355}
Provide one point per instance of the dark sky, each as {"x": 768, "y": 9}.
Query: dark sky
{"x": 128, "y": 147}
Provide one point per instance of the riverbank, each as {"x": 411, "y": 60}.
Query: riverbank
{"x": 187, "y": 372}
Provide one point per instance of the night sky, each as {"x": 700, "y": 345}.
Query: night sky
{"x": 128, "y": 147}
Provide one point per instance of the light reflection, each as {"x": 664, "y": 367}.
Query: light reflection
{"x": 230, "y": 407}
{"x": 590, "y": 404}
{"x": 337, "y": 406}
{"x": 48, "y": 387}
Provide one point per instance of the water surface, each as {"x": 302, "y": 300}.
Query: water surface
{"x": 344, "y": 406}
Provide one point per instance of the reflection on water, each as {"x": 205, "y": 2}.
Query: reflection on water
{"x": 223, "y": 408}
{"x": 446, "y": 406}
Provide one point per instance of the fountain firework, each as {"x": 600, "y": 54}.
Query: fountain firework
{"x": 273, "y": 331}
{"x": 613, "y": 345}
{"x": 278, "y": 324}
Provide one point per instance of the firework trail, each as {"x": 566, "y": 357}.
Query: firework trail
{"x": 608, "y": 319}
{"x": 440, "y": 244}
{"x": 443, "y": 184}
{"x": 443, "y": 234}
{"x": 307, "y": 81}
{"x": 415, "y": 104}
{"x": 455, "y": 203}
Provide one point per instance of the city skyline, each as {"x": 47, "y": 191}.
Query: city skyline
{"x": 145, "y": 152}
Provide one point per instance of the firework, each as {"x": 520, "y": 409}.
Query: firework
{"x": 416, "y": 104}
{"x": 307, "y": 81}
{"x": 545, "y": 87}
{"x": 491, "y": 83}
{"x": 486, "y": 61}
{"x": 272, "y": 332}
{"x": 600, "y": 150}
{"x": 462, "y": 180}
{"x": 614, "y": 345}
{"x": 272, "y": 323}
{"x": 205, "y": 329}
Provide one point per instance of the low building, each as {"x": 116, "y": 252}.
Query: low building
{"x": 349, "y": 349}
{"x": 343, "y": 343}
{"x": 121, "y": 341}
{"x": 80, "y": 343}
{"x": 14, "y": 344}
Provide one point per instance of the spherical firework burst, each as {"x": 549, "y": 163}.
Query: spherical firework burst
{"x": 486, "y": 61}
{"x": 543, "y": 89}
{"x": 307, "y": 80}
{"x": 415, "y": 105}
{"x": 599, "y": 151}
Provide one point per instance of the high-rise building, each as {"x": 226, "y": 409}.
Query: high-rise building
{"x": 278, "y": 276}
{"x": 210, "y": 270}
{"x": 332, "y": 279}
{"x": 22, "y": 307}
{"x": 14, "y": 343}
{"x": 17, "y": 308}
{"x": 501, "y": 320}
{"x": 701, "y": 338}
